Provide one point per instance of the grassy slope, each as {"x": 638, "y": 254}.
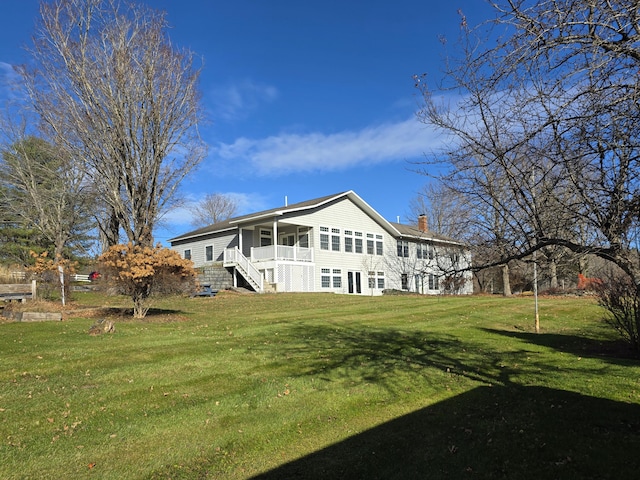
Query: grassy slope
{"x": 322, "y": 386}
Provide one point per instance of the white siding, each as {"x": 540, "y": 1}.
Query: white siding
{"x": 345, "y": 215}
{"x": 342, "y": 215}
{"x": 198, "y": 248}
{"x": 429, "y": 275}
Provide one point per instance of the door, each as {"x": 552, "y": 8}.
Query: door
{"x": 288, "y": 240}
{"x": 354, "y": 282}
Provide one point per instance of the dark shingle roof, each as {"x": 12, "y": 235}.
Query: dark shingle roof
{"x": 394, "y": 228}
{"x": 232, "y": 222}
{"x": 413, "y": 231}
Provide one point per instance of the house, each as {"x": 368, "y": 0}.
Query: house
{"x": 336, "y": 243}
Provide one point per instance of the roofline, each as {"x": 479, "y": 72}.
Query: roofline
{"x": 188, "y": 236}
{"x": 237, "y": 222}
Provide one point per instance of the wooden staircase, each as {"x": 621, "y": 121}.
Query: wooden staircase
{"x": 233, "y": 257}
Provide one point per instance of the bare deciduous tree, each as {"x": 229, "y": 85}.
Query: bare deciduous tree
{"x": 446, "y": 210}
{"x": 213, "y": 208}
{"x": 551, "y": 106}
{"x": 116, "y": 94}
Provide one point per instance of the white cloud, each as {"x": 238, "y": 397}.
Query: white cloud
{"x": 288, "y": 153}
{"x": 233, "y": 102}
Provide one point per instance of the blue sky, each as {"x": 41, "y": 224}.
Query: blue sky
{"x": 305, "y": 98}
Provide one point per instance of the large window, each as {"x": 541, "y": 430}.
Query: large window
{"x": 376, "y": 280}
{"x": 266, "y": 238}
{"x": 326, "y": 278}
{"x": 348, "y": 241}
{"x": 348, "y": 244}
{"x": 434, "y": 282}
{"x": 335, "y": 239}
{"x": 324, "y": 238}
{"x": 422, "y": 251}
{"x": 358, "y": 242}
{"x": 337, "y": 278}
{"x": 379, "y": 245}
{"x": 370, "y": 244}
{"x": 403, "y": 248}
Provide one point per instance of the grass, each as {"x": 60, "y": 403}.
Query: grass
{"x": 321, "y": 386}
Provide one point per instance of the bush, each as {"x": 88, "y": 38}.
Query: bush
{"x": 619, "y": 295}
{"x": 46, "y": 272}
{"x": 139, "y": 272}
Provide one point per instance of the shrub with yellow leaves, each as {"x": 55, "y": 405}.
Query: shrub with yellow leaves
{"x": 140, "y": 271}
{"x": 47, "y": 272}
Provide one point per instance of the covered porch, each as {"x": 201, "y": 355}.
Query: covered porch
{"x": 274, "y": 254}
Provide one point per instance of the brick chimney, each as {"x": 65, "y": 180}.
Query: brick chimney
{"x": 422, "y": 223}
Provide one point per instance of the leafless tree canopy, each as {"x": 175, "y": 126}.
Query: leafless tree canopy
{"x": 213, "y": 208}
{"x": 546, "y": 126}
{"x": 111, "y": 88}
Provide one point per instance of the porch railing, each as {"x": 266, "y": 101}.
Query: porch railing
{"x": 234, "y": 257}
{"x": 281, "y": 252}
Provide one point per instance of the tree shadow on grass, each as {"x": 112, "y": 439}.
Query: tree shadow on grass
{"x": 488, "y": 432}
{"x": 613, "y": 351}
{"x": 505, "y": 431}
{"x": 125, "y": 314}
{"x": 500, "y": 431}
{"x": 387, "y": 357}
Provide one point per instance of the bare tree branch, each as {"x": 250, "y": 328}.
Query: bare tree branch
{"x": 111, "y": 88}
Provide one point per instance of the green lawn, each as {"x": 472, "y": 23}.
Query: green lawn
{"x": 322, "y": 386}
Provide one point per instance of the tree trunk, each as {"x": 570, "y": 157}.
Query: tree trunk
{"x": 506, "y": 283}
{"x": 139, "y": 296}
{"x": 553, "y": 274}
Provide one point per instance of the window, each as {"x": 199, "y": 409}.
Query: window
{"x": 324, "y": 238}
{"x": 370, "y": 243}
{"x": 404, "y": 278}
{"x": 208, "y": 253}
{"x": 422, "y": 250}
{"x": 358, "y": 242}
{"x": 187, "y": 254}
{"x": 265, "y": 238}
{"x": 335, "y": 239}
{"x": 348, "y": 244}
{"x": 403, "y": 248}
{"x": 326, "y": 278}
{"x": 337, "y": 278}
{"x": 434, "y": 282}
{"x": 378, "y": 244}
{"x": 376, "y": 280}
{"x": 303, "y": 237}
{"x": 348, "y": 241}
